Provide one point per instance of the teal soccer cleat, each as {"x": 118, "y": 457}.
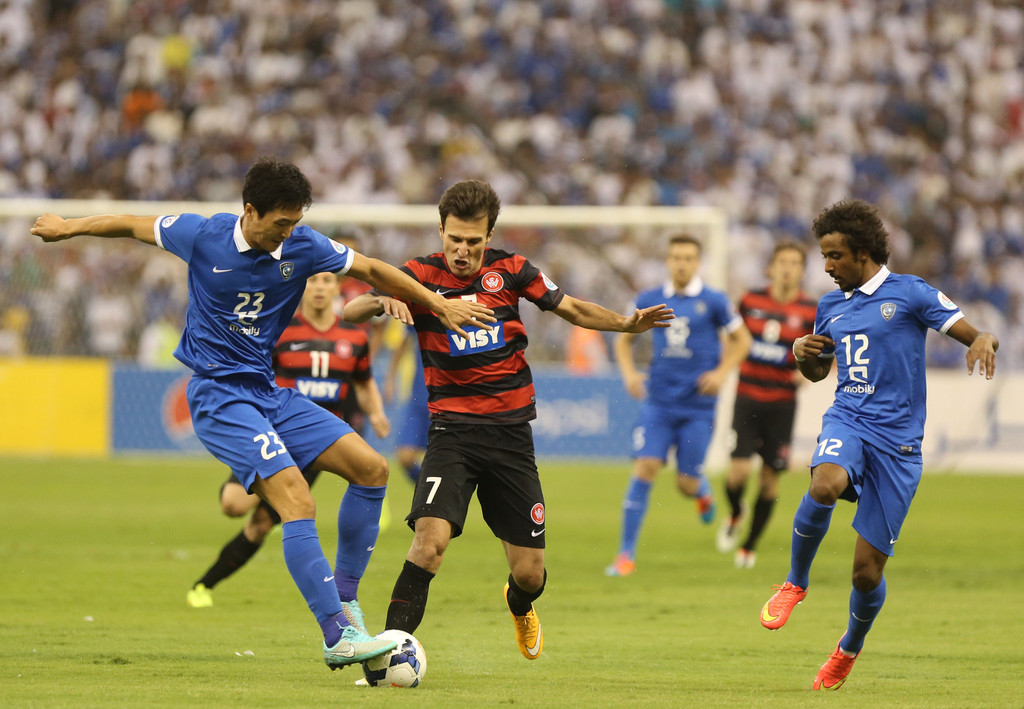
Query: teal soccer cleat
{"x": 354, "y": 615}
{"x": 355, "y": 647}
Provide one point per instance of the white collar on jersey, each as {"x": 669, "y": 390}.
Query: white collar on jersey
{"x": 692, "y": 289}
{"x": 871, "y": 286}
{"x": 242, "y": 245}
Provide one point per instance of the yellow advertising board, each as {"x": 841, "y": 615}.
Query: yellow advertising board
{"x": 54, "y": 406}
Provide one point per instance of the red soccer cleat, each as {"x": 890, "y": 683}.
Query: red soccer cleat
{"x": 776, "y": 611}
{"x": 833, "y": 673}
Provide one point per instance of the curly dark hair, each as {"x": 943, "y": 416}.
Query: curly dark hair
{"x": 271, "y": 184}
{"x": 859, "y": 222}
{"x": 468, "y": 200}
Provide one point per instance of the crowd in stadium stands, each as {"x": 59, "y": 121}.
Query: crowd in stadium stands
{"x": 769, "y": 109}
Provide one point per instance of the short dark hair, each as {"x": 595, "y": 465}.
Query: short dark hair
{"x": 684, "y": 238}
{"x": 789, "y": 245}
{"x": 468, "y": 200}
{"x": 271, "y": 184}
{"x": 859, "y": 222}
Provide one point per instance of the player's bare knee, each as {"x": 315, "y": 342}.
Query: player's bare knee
{"x": 530, "y": 578}
{"x": 866, "y": 578}
{"x": 687, "y": 484}
{"x": 374, "y": 473}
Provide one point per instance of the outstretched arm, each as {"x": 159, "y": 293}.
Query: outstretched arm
{"x": 597, "y": 317}
{"x": 51, "y": 227}
{"x": 453, "y": 312}
{"x": 981, "y": 347}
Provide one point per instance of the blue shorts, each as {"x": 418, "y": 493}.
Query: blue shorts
{"x": 658, "y": 430}
{"x": 412, "y": 433}
{"x": 257, "y": 429}
{"x": 885, "y": 482}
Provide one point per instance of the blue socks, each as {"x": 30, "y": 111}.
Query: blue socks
{"x": 864, "y": 608}
{"x": 809, "y": 527}
{"x": 307, "y": 565}
{"x": 634, "y": 508}
{"x": 358, "y": 527}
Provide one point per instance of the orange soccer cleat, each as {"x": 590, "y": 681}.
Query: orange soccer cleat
{"x": 833, "y": 673}
{"x": 776, "y": 611}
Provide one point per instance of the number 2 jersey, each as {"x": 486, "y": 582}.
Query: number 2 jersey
{"x": 689, "y": 346}
{"x": 240, "y": 299}
{"x": 322, "y": 364}
{"x": 485, "y": 378}
{"x": 879, "y": 330}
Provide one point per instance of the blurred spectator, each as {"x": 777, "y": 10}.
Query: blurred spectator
{"x": 768, "y": 109}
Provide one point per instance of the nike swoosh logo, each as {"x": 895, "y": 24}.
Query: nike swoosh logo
{"x": 860, "y": 620}
{"x": 797, "y": 533}
{"x": 220, "y": 270}
{"x": 371, "y": 548}
{"x": 349, "y": 650}
{"x": 892, "y": 541}
{"x": 535, "y": 648}
{"x": 447, "y": 290}
{"x": 328, "y": 578}
{"x": 298, "y": 346}
{"x": 836, "y": 318}
{"x": 766, "y": 616}
{"x": 536, "y": 533}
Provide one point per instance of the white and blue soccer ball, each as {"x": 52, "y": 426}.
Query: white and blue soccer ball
{"x": 402, "y": 667}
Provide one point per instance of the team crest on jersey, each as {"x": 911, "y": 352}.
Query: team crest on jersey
{"x": 945, "y": 302}
{"x": 167, "y": 221}
{"x": 548, "y": 282}
{"x": 537, "y": 513}
{"x": 700, "y": 308}
{"x": 888, "y": 310}
{"x": 287, "y": 269}
{"x": 492, "y": 282}
{"x": 343, "y": 349}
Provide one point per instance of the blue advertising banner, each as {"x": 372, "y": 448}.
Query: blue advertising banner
{"x": 150, "y": 413}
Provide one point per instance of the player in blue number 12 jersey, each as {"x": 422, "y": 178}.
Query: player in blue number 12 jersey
{"x": 246, "y": 275}
{"x": 869, "y": 449}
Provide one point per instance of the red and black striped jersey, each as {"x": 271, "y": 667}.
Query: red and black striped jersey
{"x": 322, "y": 364}
{"x": 485, "y": 378}
{"x": 767, "y": 373}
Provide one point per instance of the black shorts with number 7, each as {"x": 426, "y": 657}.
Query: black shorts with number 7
{"x": 495, "y": 461}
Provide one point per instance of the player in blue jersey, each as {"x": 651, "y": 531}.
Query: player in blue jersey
{"x": 689, "y": 364}
{"x": 246, "y": 275}
{"x": 869, "y": 449}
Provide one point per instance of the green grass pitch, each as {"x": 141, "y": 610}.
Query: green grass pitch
{"x": 95, "y": 559}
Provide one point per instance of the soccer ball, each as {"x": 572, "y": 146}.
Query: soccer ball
{"x": 402, "y": 667}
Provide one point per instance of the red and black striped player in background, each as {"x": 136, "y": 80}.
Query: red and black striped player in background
{"x": 481, "y": 401}
{"x": 324, "y": 358}
{"x": 765, "y": 407}
{"x": 350, "y": 289}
